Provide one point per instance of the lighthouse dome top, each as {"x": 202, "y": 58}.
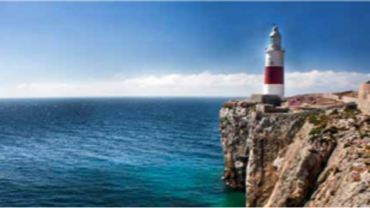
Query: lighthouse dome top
{"x": 275, "y": 31}
{"x": 275, "y": 39}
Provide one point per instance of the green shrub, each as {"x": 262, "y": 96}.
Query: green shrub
{"x": 318, "y": 120}
{"x": 331, "y": 130}
{"x": 315, "y": 131}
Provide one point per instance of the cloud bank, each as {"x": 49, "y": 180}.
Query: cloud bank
{"x": 201, "y": 84}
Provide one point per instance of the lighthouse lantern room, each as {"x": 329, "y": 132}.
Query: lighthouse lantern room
{"x": 274, "y": 70}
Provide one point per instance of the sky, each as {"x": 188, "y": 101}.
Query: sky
{"x": 91, "y": 49}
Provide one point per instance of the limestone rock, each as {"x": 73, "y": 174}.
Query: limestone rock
{"x": 298, "y": 158}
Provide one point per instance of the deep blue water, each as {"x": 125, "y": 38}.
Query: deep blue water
{"x": 112, "y": 152}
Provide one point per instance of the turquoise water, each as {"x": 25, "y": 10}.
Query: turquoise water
{"x": 112, "y": 152}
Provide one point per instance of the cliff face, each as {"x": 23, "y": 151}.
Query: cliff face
{"x": 316, "y": 157}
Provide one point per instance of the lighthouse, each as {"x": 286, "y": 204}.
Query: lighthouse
{"x": 274, "y": 66}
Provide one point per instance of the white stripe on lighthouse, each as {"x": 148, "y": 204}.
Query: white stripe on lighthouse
{"x": 273, "y": 89}
{"x": 274, "y": 58}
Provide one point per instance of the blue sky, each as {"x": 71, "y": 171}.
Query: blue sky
{"x": 64, "y": 49}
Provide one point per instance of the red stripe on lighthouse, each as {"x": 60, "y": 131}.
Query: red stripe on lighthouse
{"x": 274, "y": 75}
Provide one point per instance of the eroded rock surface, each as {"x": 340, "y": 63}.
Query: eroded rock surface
{"x": 315, "y": 157}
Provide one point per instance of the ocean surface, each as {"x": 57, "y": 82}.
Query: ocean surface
{"x": 112, "y": 152}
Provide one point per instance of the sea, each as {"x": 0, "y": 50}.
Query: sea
{"x": 106, "y": 152}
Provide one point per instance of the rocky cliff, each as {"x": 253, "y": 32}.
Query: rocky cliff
{"x": 298, "y": 157}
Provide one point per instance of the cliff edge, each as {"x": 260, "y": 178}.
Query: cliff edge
{"x": 316, "y": 153}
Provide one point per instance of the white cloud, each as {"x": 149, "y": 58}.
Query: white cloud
{"x": 201, "y": 84}
{"x": 323, "y": 81}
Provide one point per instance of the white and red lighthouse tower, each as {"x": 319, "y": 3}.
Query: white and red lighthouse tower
{"x": 274, "y": 70}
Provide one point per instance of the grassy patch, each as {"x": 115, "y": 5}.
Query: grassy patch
{"x": 315, "y": 131}
{"x": 318, "y": 120}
